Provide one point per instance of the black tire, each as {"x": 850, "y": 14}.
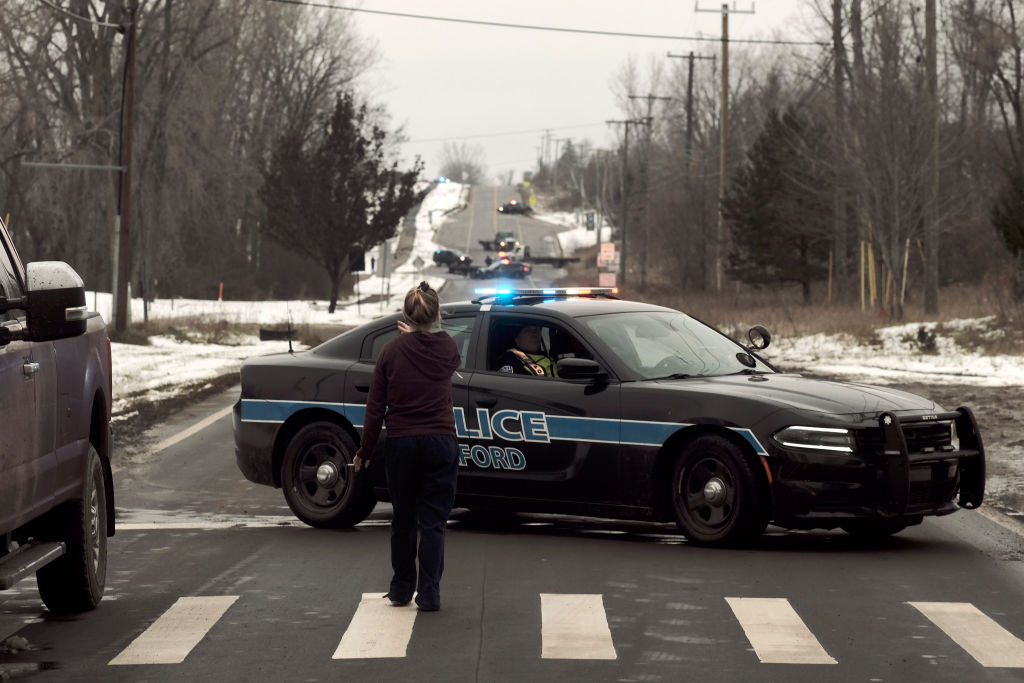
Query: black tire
{"x": 716, "y": 497}
{"x": 75, "y": 582}
{"x": 874, "y": 529}
{"x": 342, "y": 498}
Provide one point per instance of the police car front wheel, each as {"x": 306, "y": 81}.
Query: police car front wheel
{"x": 716, "y": 496}
{"x": 319, "y": 486}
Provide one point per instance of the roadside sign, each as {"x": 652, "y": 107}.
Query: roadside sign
{"x": 418, "y": 263}
{"x": 607, "y": 254}
{"x": 606, "y": 279}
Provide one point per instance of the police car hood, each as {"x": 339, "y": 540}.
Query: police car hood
{"x": 822, "y": 396}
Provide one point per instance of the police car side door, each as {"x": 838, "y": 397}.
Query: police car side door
{"x": 359, "y": 376}
{"x": 548, "y": 440}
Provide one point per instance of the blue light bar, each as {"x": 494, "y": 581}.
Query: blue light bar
{"x": 555, "y": 291}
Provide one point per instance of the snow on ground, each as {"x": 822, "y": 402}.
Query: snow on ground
{"x": 574, "y": 236}
{"x": 898, "y": 356}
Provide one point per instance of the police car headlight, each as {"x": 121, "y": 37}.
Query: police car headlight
{"x": 816, "y": 438}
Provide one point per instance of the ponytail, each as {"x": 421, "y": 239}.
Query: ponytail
{"x": 422, "y": 305}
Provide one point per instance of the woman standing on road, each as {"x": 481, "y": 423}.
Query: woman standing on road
{"x": 412, "y": 383}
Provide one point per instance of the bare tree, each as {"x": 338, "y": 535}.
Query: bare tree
{"x": 463, "y": 162}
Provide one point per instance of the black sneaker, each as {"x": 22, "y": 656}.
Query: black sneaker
{"x": 394, "y": 602}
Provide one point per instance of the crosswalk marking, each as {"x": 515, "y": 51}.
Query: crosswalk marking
{"x": 171, "y": 637}
{"x": 777, "y": 633}
{"x": 574, "y": 626}
{"x": 377, "y": 629}
{"x": 983, "y": 638}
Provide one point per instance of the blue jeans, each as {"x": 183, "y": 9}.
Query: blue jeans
{"x": 421, "y": 480}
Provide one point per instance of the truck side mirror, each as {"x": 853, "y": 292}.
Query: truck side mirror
{"x": 55, "y": 296}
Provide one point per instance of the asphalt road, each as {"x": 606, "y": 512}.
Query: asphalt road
{"x": 211, "y": 579}
{"x": 480, "y": 221}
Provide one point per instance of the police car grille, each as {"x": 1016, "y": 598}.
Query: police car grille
{"x": 936, "y": 491}
{"x": 921, "y": 437}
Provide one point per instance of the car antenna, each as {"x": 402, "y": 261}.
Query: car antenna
{"x": 290, "y": 330}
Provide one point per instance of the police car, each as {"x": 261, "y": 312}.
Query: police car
{"x": 653, "y": 415}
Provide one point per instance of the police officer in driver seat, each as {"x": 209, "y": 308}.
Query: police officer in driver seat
{"x": 528, "y": 356}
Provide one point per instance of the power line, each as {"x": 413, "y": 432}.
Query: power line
{"x": 558, "y": 29}
{"x": 498, "y": 135}
{"x": 80, "y": 17}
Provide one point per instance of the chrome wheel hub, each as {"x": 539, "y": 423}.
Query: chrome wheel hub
{"x": 715, "y": 491}
{"x": 327, "y": 474}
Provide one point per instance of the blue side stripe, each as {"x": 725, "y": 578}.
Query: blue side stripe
{"x": 582, "y": 429}
{"x": 632, "y": 432}
{"x": 649, "y": 433}
{"x": 257, "y": 410}
{"x": 751, "y": 439}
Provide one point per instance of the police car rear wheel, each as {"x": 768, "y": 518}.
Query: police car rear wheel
{"x": 319, "y": 486}
{"x": 716, "y": 497}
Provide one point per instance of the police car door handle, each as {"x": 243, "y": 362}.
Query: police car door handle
{"x": 30, "y": 369}
{"x": 363, "y": 387}
{"x": 487, "y": 402}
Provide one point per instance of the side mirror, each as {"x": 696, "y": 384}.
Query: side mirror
{"x": 580, "y": 368}
{"x": 759, "y": 337}
{"x": 56, "y": 301}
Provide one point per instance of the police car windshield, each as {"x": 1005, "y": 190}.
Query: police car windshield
{"x": 669, "y": 345}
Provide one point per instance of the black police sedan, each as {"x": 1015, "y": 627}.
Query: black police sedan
{"x": 502, "y": 267}
{"x": 514, "y": 206}
{"x": 653, "y": 415}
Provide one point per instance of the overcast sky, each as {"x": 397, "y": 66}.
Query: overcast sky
{"x": 503, "y": 87}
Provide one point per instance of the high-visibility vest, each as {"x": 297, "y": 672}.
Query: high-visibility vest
{"x": 537, "y": 363}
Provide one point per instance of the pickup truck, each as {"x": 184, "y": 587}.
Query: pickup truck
{"x": 56, "y": 486}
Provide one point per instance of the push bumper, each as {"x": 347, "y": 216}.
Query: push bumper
{"x": 896, "y": 474}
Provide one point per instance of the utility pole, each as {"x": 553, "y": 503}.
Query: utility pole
{"x": 839, "y": 237}
{"x": 645, "y": 184}
{"x": 723, "y": 141}
{"x": 931, "y": 217}
{"x": 558, "y": 141}
{"x": 689, "y": 98}
{"x": 625, "y": 193}
{"x": 123, "y": 233}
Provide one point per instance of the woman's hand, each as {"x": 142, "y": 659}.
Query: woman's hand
{"x": 403, "y": 327}
{"x": 360, "y": 463}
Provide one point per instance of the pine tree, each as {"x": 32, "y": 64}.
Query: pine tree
{"x": 332, "y": 195}
{"x": 776, "y": 208}
{"x": 1008, "y": 220}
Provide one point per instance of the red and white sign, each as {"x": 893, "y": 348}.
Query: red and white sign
{"x": 606, "y": 279}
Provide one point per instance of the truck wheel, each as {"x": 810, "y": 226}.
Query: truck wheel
{"x": 715, "y": 496}
{"x": 75, "y": 581}
{"x": 320, "y": 487}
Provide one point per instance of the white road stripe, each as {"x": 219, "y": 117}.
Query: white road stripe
{"x": 171, "y": 637}
{"x": 574, "y": 626}
{"x": 777, "y": 633}
{"x": 983, "y": 638}
{"x": 199, "y": 426}
{"x": 377, "y": 629}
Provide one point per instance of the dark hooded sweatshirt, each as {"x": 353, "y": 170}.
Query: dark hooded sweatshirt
{"x": 413, "y": 383}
